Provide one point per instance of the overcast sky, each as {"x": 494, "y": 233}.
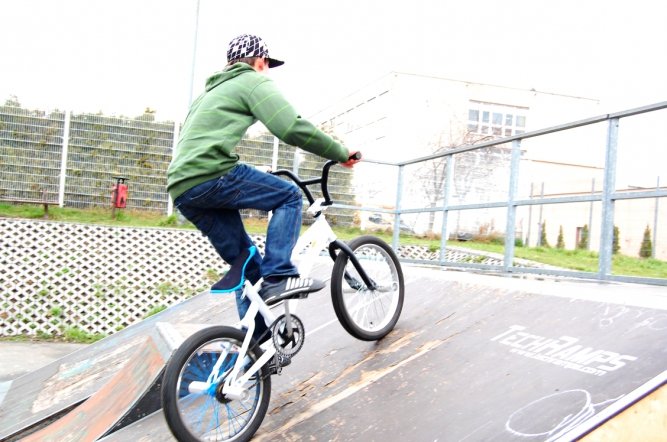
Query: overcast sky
{"x": 121, "y": 56}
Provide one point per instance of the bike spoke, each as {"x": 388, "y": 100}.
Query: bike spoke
{"x": 371, "y": 310}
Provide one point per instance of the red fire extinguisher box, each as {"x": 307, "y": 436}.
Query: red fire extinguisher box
{"x": 119, "y": 198}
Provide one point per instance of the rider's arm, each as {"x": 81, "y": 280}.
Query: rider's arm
{"x": 270, "y": 107}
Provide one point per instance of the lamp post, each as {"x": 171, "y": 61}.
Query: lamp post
{"x": 194, "y": 54}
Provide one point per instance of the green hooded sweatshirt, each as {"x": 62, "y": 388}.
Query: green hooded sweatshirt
{"x": 235, "y": 99}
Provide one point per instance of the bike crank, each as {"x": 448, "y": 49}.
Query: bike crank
{"x": 288, "y": 334}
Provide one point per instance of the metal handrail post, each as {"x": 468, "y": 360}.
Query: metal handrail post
{"x": 609, "y": 187}
{"x": 655, "y": 221}
{"x": 511, "y": 206}
{"x": 397, "y": 212}
{"x": 449, "y": 179}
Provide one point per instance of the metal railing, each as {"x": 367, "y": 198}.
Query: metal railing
{"x": 56, "y": 152}
{"x": 607, "y": 198}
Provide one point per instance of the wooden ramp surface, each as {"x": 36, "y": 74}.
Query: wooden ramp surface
{"x": 111, "y": 403}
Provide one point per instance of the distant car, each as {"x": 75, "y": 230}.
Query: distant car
{"x": 406, "y": 229}
{"x": 377, "y": 218}
{"x": 464, "y": 236}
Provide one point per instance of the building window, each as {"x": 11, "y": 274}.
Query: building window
{"x": 496, "y": 119}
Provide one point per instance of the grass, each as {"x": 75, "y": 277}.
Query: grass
{"x": 136, "y": 218}
{"x": 580, "y": 260}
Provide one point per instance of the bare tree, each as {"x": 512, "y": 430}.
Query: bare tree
{"x": 432, "y": 174}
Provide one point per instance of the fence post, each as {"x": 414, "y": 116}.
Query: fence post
{"x": 449, "y": 177}
{"x": 274, "y": 158}
{"x": 609, "y": 186}
{"x": 511, "y": 207}
{"x": 177, "y": 129}
{"x": 296, "y": 161}
{"x": 63, "y": 159}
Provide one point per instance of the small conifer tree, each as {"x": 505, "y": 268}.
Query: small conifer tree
{"x": 615, "y": 246}
{"x": 583, "y": 240}
{"x": 646, "y": 249}
{"x": 543, "y": 235}
{"x": 560, "y": 244}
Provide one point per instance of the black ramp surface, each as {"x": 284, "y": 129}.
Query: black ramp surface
{"x": 493, "y": 364}
{"x": 473, "y": 358}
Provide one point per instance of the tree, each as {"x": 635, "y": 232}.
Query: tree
{"x": 148, "y": 115}
{"x": 432, "y": 174}
{"x": 12, "y": 101}
{"x": 615, "y": 246}
{"x": 646, "y": 249}
{"x": 543, "y": 235}
{"x": 560, "y": 244}
{"x": 583, "y": 240}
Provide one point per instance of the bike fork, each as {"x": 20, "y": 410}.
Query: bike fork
{"x": 338, "y": 244}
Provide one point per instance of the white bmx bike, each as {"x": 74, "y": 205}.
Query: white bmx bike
{"x": 217, "y": 384}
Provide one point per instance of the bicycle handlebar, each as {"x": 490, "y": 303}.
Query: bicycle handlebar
{"x": 323, "y": 180}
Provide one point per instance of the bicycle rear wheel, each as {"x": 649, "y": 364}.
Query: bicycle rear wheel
{"x": 196, "y": 410}
{"x": 367, "y": 314}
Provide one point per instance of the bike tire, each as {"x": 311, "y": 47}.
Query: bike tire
{"x": 198, "y": 416}
{"x": 368, "y": 315}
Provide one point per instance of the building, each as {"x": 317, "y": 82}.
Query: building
{"x": 403, "y": 116}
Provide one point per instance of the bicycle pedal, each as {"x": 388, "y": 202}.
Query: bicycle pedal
{"x": 277, "y": 364}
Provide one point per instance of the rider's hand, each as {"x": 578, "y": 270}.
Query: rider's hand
{"x": 354, "y": 158}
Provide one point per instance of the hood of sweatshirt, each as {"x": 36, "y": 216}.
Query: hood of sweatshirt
{"x": 227, "y": 74}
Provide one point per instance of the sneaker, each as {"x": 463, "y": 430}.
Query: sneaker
{"x": 288, "y": 288}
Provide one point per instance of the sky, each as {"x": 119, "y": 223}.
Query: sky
{"x": 121, "y": 56}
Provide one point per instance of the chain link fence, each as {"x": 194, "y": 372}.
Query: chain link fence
{"x": 72, "y": 159}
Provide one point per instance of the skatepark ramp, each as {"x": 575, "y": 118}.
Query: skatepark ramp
{"x": 106, "y": 385}
{"x": 473, "y": 357}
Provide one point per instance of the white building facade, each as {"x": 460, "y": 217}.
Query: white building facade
{"x": 404, "y": 116}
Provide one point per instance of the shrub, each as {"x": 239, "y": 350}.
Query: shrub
{"x": 615, "y": 246}
{"x": 543, "y": 235}
{"x": 560, "y": 243}
{"x": 646, "y": 249}
{"x": 583, "y": 241}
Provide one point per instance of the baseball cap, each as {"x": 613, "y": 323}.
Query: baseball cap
{"x": 247, "y": 45}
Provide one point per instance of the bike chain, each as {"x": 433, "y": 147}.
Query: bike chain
{"x": 284, "y": 343}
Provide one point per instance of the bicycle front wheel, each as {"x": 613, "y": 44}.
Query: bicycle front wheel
{"x": 195, "y": 407}
{"x": 368, "y": 314}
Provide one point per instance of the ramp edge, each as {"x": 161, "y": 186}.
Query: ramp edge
{"x": 615, "y": 408}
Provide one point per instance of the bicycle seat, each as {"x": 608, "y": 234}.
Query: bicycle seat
{"x": 235, "y": 277}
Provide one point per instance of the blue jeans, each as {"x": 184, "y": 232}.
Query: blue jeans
{"x": 213, "y": 207}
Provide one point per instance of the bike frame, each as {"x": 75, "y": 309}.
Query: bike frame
{"x": 309, "y": 245}
{"x": 315, "y": 239}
